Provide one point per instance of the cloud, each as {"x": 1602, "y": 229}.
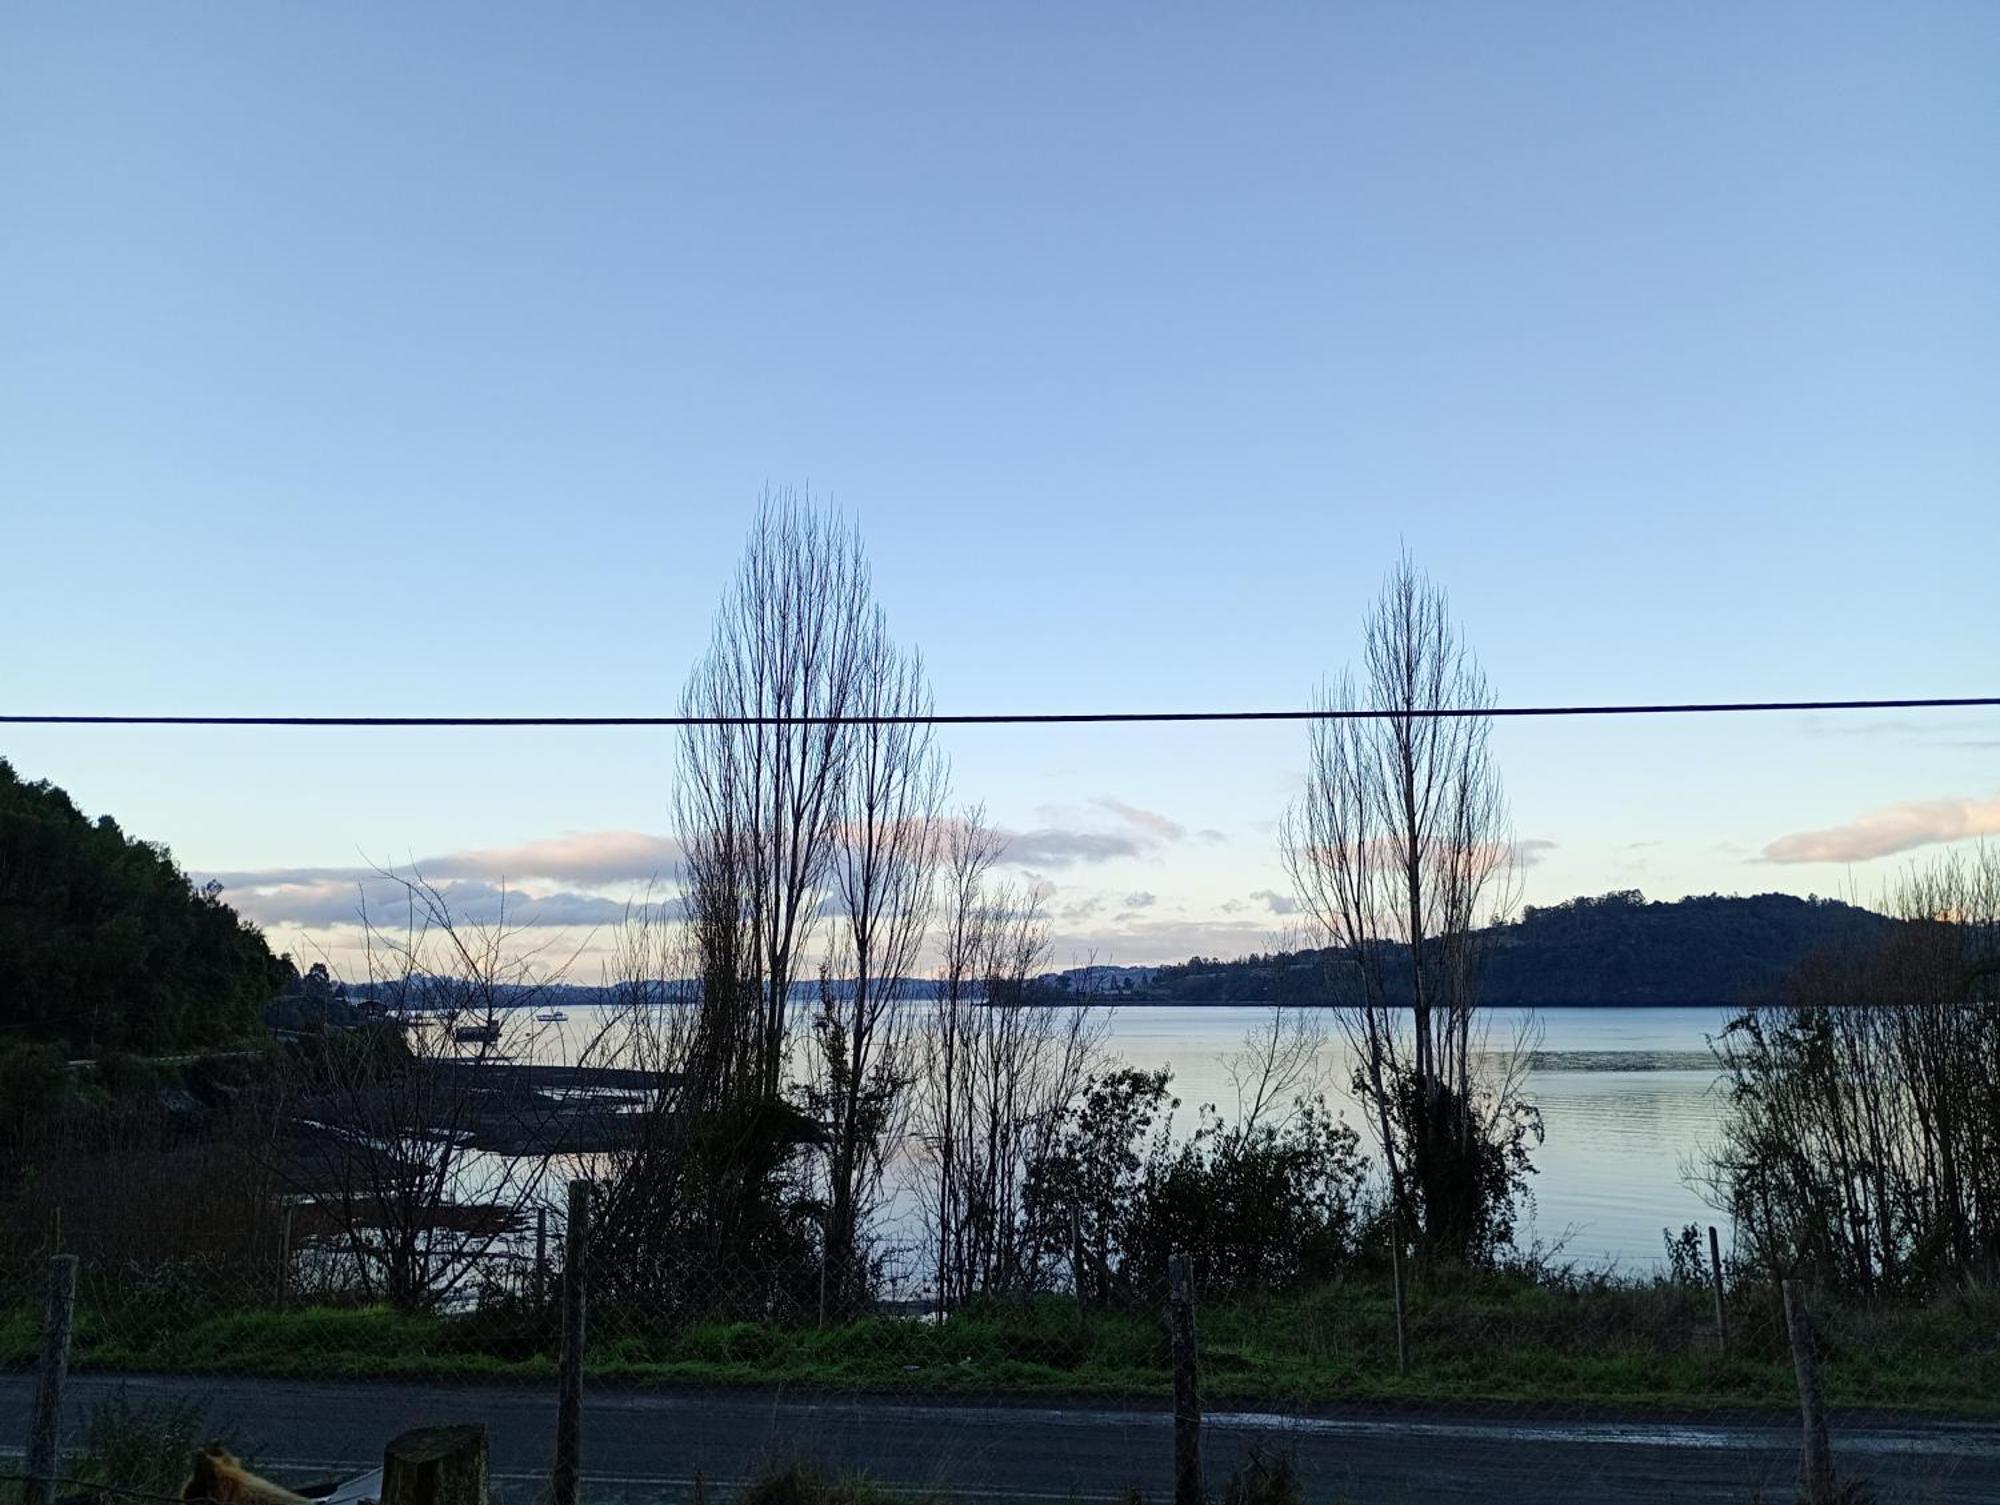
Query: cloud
{"x": 1149, "y": 821}
{"x": 470, "y": 901}
{"x": 1891, "y": 829}
{"x": 1529, "y": 852}
{"x": 1145, "y": 831}
{"x": 1054, "y": 847}
{"x": 535, "y": 878}
{"x": 1141, "y": 900}
{"x": 589, "y": 858}
{"x": 1276, "y": 902}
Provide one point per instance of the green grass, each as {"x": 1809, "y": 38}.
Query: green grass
{"x": 1488, "y": 1339}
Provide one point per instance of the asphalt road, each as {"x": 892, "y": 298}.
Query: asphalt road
{"x": 653, "y": 1446}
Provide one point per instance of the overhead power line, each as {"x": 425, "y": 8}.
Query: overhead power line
{"x": 1029, "y": 718}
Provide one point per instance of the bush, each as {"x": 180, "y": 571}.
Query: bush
{"x": 141, "y": 1446}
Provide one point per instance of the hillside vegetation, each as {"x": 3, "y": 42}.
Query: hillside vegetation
{"x": 1617, "y": 948}
{"x": 104, "y": 944}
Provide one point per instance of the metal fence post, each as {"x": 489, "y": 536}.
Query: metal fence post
{"x": 569, "y": 1379}
{"x": 1715, "y": 1279}
{"x": 45, "y": 1428}
{"x": 1816, "y": 1460}
{"x": 1187, "y": 1392}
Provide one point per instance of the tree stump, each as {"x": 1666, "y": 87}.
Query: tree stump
{"x": 436, "y": 1466}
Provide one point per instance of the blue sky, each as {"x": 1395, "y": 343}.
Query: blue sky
{"x": 403, "y": 359}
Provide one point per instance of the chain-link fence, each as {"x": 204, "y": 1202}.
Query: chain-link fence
{"x": 1389, "y": 1380}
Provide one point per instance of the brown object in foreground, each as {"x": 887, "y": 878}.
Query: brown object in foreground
{"x": 218, "y": 1477}
{"x": 1816, "y": 1461}
{"x": 436, "y": 1466}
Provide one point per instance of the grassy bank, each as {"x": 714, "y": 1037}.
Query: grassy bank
{"x": 1493, "y": 1339}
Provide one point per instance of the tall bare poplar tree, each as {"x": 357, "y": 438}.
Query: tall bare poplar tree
{"x": 884, "y": 867}
{"x": 759, "y": 804}
{"x": 1400, "y": 850}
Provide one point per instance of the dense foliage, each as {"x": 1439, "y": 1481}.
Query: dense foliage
{"x": 1261, "y": 1205}
{"x": 1615, "y": 948}
{"x": 1862, "y": 1145}
{"x": 104, "y": 944}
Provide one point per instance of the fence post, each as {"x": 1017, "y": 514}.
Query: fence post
{"x": 1396, "y": 1289}
{"x": 44, "y": 1430}
{"x": 1816, "y": 1461}
{"x": 1715, "y": 1279}
{"x": 285, "y": 1255}
{"x": 569, "y": 1378}
{"x": 1076, "y": 1268}
{"x": 1187, "y": 1392}
{"x": 541, "y": 1254}
{"x": 436, "y": 1466}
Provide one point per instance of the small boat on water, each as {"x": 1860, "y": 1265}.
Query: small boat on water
{"x": 551, "y": 1016}
{"x": 477, "y": 1034}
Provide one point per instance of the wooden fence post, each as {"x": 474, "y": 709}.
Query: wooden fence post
{"x": 436, "y": 1466}
{"x": 1396, "y": 1288}
{"x": 285, "y": 1255}
{"x": 1076, "y": 1268}
{"x": 541, "y": 1254}
{"x": 1715, "y": 1279}
{"x": 1188, "y": 1488}
{"x": 569, "y": 1378}
{"x": 1816, "y": 1460}
{"x": 45, "y": 1427}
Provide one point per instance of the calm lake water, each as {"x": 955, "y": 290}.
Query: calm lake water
{"x": 1623, "y": 1102}
{"x": 1628, "y": 1098}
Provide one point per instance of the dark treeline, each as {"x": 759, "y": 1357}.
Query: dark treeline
{"x": 1616, "y": 948}
{"x": 104, "y": 944}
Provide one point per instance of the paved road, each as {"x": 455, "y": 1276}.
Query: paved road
{"x": 642, "y": 1448}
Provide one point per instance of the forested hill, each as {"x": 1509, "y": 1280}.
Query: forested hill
{"x": 105, "y": 946}
{"x": 1617, "y": 948}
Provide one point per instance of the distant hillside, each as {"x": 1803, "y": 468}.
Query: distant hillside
{"x": 1617, "y": 948}
{"x": 104, "y": 945}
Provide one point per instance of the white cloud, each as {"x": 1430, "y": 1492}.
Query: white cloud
{"x": 529, "y": 883}
{"x": 586, "y": 857}
{"x": 1890, "y": 829}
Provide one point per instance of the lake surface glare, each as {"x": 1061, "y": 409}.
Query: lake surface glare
{"x": 1628, "y": 1096}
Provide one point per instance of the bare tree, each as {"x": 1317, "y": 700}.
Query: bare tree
{"x": 1862, "y": 1142}
{"x": 1279, "y": 1064}
{"x": 691, "y": 1208}
{"x": 1400, "y": 851}
{"x": 393, "y": 1123}
{"x": 999, "y": 1068}
{"x": 884, "y": 879}
{"x": 759, "y": 801}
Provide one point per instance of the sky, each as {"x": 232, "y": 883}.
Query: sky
{"x": 409, "y": 360}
